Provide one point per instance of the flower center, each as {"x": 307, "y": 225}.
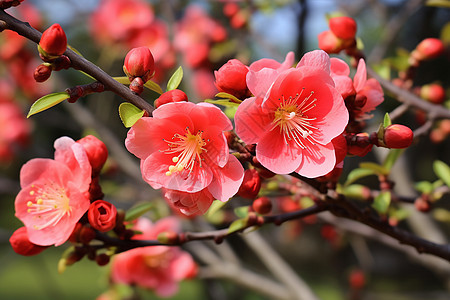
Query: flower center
{"x": 189, "y": 147}
{"x": 50, "y": 206}
{"x": 293, "y": 122}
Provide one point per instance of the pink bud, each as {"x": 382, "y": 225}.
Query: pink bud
{"x": 251, "y": 184}
{"x": 329, "y": 42}
{"x": 53, "y": 41}
{"x": 262, "y": 205}
{"x": 139, "y": 62}
{"x": 343, "y": 27}
{"x": 171, "y": 96}
{"x": 96, "y": 151}
{"x": 230, "y": 9}
{"x": 21, "y": 244}
{"x": 433, "y": 93}
{"x": 102, "y": 215}
{"x": 398, "y": 136}
{"x": 231, "y": 79}
{"x": 429, "y": 48}
{"x": 357, "y": 279}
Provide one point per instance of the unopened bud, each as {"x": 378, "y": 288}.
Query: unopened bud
{"x": 343, "y": 27}
{"x": 96, "y": 151}
{"x": 139, "y": 62}
{"x": 329, "y": 42}
{"x": 429, "y": 48}
{"x": 42, "y": 72}
{"x": 398, "y": 136}
{"x": 137, "y": 85}
{"x": 231, "y": 79}
{"x": 102, "y": 215}
{"x": 251, "y": 184}
{"x": 357, "y": 279}
{"x": 102, "y": 259}
{"x": 262, "y": 205}
{"x": 53, "y": 42}
{"x": 175, "y": 95}
{"x": 433, "y": 93}
{"x": 422, "y": 204}
{"x": 168, "y": 238}
{"x": 21, "y": 244}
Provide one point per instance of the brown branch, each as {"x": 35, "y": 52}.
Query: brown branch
{"x": 78, "y": 62}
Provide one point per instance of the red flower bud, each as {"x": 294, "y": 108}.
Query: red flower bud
{"x": 102, "y": 259}
{"x": 96, "y": 151}
{"x": 139, "y": 62}
{"x": 398, "y": 136}
{"x": 102, "y": 215}
{"x": 429, "y": 48}
{"x": 230, "y": 9}
{"x": 357, "y": 279}
{"x": 262, "y": 205}
{"x": 251, "y": 184}
{"x": 329, "y": 43}
{"x": 21, "y": 244}
{"x": 433, "y": 93}
{"x": 343, "y": 27}
{"x": 171, "y": 96}
{"x": 53, "y": 42}
{"x": 231, "y": 79}
{"x": 42, "y": 72}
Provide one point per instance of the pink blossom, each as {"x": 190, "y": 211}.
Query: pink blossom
{"x": 14, "y": 130}
{"x": 118, "y": 20}
{"x": 54, "y": 193}
{"x": 294, "y": 123}
{"x": 368, "y": 92}
{"x": 195, "y": 34}
{"x": 183, "y": 147}
{"x": 159, "y": 268}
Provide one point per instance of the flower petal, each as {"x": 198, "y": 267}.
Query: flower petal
{"x": 359, "y": 81}
{"x": 227, "y": 180}
{"x": 318, "y": 160}
{"x": 317, "y": 59}
{"x": 251, "y": 123}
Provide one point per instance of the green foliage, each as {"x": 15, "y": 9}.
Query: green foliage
{"x": 175, "y": 80}
{"x": 387, "y": 120}
{"x": 382, "y": 201}
{"x": 391, "y": 158}
{"x": 378, "y": 169}
{"x": 241, "y": 212}
{"x": 438, "y": 3}
{"x": 129, "y": 114}
{"x": 237, "y": 225}
{"x": 357, "y": 174}
{"x": 46, "y": 102}
{"x": 138, "y": 210}
{"x": 442, "y": 170}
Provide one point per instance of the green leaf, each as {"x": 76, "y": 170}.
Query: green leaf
{"x": 46, "y": 102}
{"x": 223, "y": 102}
{"x": 122, "y": 79}
{"x": 378, "y": 169}
{"x": 228, "y": 96}
{"x": 424, "y": 187}
{"x": 442, "y": 170}
{"x": 138, "y": 210}
{"x": 358, "y": 173}
{"x": 151, "y": 85}
{"x": 237, "y": 225}
{"x": 354, "y": 191}
{"x": 387, "y": 120}
{"x": 215, "y": 207}
{"x": 382, "y": 201}
{"x": 438, "y": 3}
{"x": 241, "y": 212}
{"x": 129, "y": 114}
{"x": 175, "y": 80}
{"x": 392, "y": 157}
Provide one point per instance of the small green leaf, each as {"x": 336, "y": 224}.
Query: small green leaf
{"x": 228, "y": 96}
{"x": 129, "y": 114}
{"x": 122, "y": 79}
{"x": 223, "y": 102}
{"x": 215, "y": 207}
{"x": 442, "y": 170}
{"x": 151, "y": 85}
{"x": 46, "y": 102}
{"x": 378, "y": 169}
{"x": 358, "y": 173}
{"x": 237, "y": 225}
{"x": 241, "y": 212}
{"x": 355, "y": 191}
{"x": 387, "y": 120}
{"x": 424, "y": 187}
{"x": 392, "y": 157}
{"x": 175, "y": 80}
{"x": 138, "y": 210}
{"x": 382, "y": 201}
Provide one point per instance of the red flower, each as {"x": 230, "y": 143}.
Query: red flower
{"x": 53, "y": 41}
{"x": 21, "y": 244}
{"x": 102, "y": 215}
